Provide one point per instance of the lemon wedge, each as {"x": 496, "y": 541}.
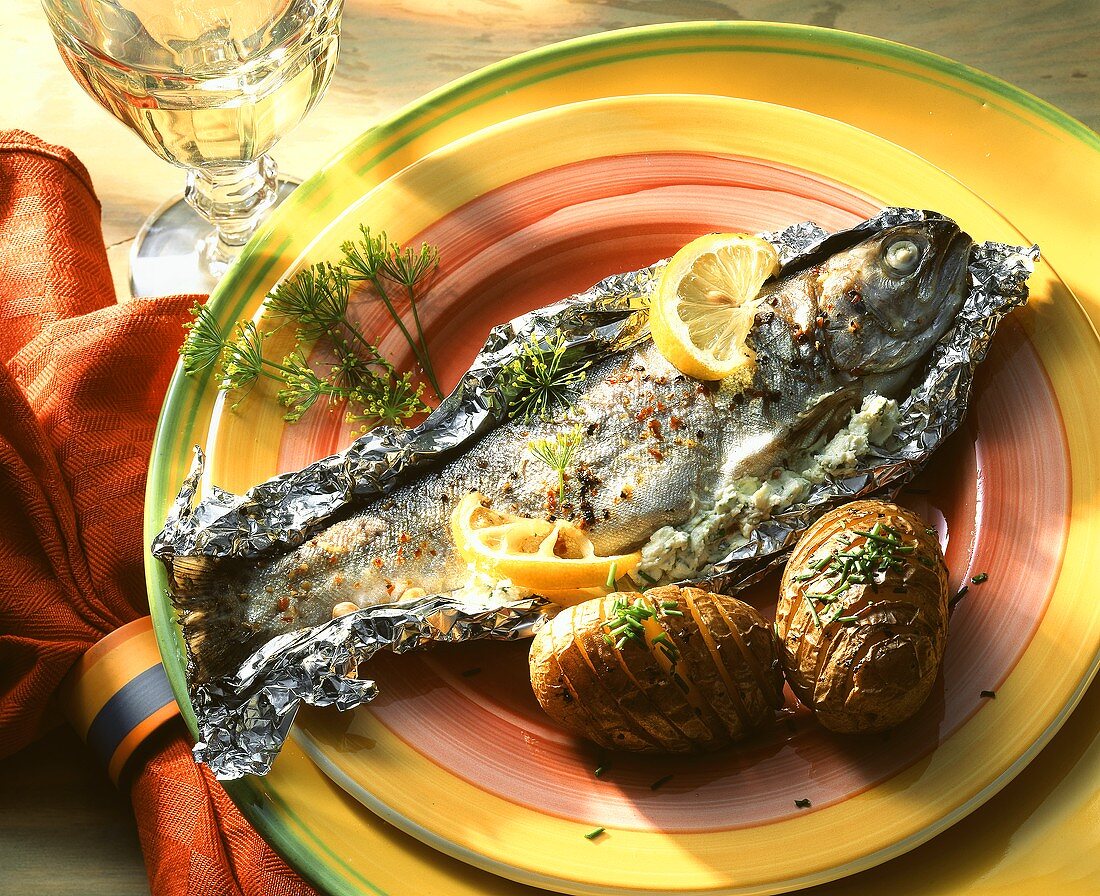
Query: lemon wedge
{"x": 705, "y": 304}
{"x": 555, "y": 559}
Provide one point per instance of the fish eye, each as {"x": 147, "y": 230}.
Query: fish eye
{"x": 902, "y": 257}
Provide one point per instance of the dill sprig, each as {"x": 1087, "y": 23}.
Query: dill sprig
{"x": 392, "y": 401}
{"x": 237, "y": 360}
{"x": 541, "y": 378}
{"x": 315, "y": 302}
{"x": 302, "y": 387}
{"x": 557, "y": 454}
{"x": 375, "y": 259}
{"x": 315, "y": 299}
{"x": 204, "y": 344}
{"x": 883, "y": 550}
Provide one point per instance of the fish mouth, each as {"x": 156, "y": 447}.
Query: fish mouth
{"x": 947, "y": 275}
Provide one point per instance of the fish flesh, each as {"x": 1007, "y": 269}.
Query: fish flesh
{"x": 654, "y": 444}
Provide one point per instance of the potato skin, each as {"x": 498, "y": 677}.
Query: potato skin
{"x": 875, "y": 673}
{"x": 725, "y": 685}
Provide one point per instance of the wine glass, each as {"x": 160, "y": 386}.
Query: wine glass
{"x": 210, "y": 86}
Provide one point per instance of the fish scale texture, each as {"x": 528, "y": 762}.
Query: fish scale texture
{"x": 82, "y": 380}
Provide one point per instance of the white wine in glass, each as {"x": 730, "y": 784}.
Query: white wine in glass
{"x": 210, "y": 86}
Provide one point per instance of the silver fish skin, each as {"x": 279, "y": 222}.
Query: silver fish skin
{"x": 655, "y": 444}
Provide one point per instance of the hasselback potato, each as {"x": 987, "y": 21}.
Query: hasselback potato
{"x": 862, "y": 616}
{"x": 672, "y": 670}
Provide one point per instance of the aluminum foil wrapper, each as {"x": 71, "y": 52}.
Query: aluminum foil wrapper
{"x": 244, "y": 718}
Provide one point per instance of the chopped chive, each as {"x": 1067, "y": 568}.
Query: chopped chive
{"x": 662, "y": 637}
{"x": 621, "y": 642}
{"x": 813, "y": 610}
{"x": 803, "y": 576}
{"x": 592, "y": 835}
{"x": 846, "y": 620}
{"x": 979, "y": 578}
{"x": 960, "y": 594}
{"x": 645, "y": 577}
{"x": 672, "y": 613}
{"x": 611, "y": 574}
{"x": 660, "y": 782}
{"x": 990, "y": 694}
{"x": 600, "y": 770}
{"x": 608, "y": 639}
{"x": 803, "y": 804}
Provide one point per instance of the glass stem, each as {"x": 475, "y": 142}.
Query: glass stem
{"x": 233, "y": 197}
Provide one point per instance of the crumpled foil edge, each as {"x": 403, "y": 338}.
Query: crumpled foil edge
{"x": 244, "y": 718}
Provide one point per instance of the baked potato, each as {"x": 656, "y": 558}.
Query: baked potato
{"x": 674, "y": 670}
{"x": 862, "y": 616}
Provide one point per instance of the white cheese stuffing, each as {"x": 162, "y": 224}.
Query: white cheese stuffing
{"x": 481, "y": 590}
{"x": 739, "y": 506}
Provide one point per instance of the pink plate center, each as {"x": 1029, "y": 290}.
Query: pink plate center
{"x": 998, "y": 494}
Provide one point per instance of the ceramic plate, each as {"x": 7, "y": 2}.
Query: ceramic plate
{"x": 572, "y": 194}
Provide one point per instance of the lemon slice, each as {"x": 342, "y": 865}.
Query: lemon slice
{"x": 555, "y": 559}
{"x": 705, "y": 304}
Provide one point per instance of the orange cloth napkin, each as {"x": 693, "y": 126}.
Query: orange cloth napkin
{"x": 81, "y": 384}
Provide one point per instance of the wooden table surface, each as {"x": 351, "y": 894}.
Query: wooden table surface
{"x": 63, "y": 828}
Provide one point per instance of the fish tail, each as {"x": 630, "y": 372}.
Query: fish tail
{"x": 216, "y": 632}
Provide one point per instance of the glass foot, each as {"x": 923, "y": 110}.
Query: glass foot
{"x": 166, "y": 260}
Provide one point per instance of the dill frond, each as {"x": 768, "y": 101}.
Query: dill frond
{"x": 315, "y": 299}
{"x": 392, "y": 401}
{"x": 408, "y": 266}
{"x": 541, "y": 379}
{"x": 557, "y": 454}
{"x": 204, "y": 344}
{"x": 375, "y": 259}
{"x": 302, "y": 387}
{"x": 364, "y": 258}
{"x": 244, "y": 357}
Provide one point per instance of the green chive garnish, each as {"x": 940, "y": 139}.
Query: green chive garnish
{"x": 660, "y": 782}
{"x": 883, "y": 551}
{"x": 611, "y": 574}
{"x": 813, "y": 610}
{"x": 979, "y": 578}
{"x": 592, "y": 835}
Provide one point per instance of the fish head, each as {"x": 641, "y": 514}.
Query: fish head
{"x": 888, "y": 299}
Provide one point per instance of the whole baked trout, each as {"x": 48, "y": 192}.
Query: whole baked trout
{"x": 655, "y": 444}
